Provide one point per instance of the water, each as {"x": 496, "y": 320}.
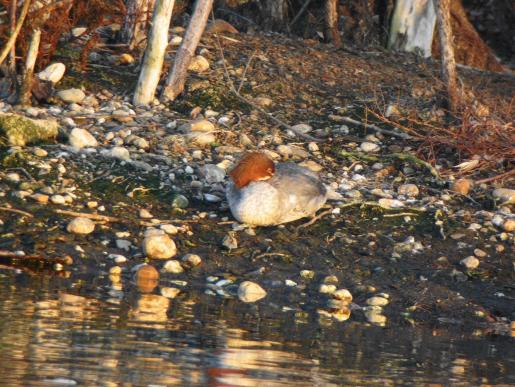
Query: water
{"x": 55, "y": 331}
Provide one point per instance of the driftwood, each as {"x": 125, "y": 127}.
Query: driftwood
{"x": 12, "y": 39}
{"x": 30, "y": 63}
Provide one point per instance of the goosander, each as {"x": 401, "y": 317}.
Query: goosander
{"x": 262, "y": 193}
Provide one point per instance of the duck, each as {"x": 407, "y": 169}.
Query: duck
{"x": 262, "y": 193}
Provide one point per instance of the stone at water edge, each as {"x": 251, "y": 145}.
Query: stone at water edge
{"x": 71, "y": 95}
{"x": 369, "y": 147}
{"x": 147, "y": 278}
{"x": 462, "y": 186}
{"x": 212, "y": 173}
{"x": 159, "y": 246}
{"x": 504, "y": 195}
{"x": 410, "y": 190}
{"x": 82, "y": 226}
{"x": 470, "y": 263}
{"x": 192, "y": 260}
{"x": 250, "y": 292}
{"x": 52, "y": 73}
{"x": 81, "y": 138}
{"x": 342, "y": 295}
{"x": 172, "y": 266}
{"x": 198, "y": 64}
{"x": 509, "y": 225}
{"x": 377, "y": 301}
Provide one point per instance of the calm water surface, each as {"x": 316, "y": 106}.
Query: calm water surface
{"x": 56, "y": 332}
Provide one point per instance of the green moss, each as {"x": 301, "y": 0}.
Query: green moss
{"x": 19, "y": 130}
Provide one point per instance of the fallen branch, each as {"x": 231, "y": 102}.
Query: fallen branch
{"x": 498, "y": 177}
{"x": 12, "y": 39}
{"x": 14, "y": 210}
{"x": 349, "y": 120}
{"x": 314, "y": 219}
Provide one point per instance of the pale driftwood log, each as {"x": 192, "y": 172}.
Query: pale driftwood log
{"x": 443, "y": 9}
{"x": 30, "y": 63}
{"x": 177, "y": 77}
{"x": 12, "y": 27}
{"x": 331, "y": 20}
{"x": 134, "y": 29}
{"x": 155, "y": 53}
{"x": 12, "y": 39}
{"x": 412, "y": 27}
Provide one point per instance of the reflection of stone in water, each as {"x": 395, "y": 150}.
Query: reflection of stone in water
{"x": 151, "y": 308}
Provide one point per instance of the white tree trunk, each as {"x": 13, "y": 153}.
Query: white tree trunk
{"x": 413, "y": 26}
{"x": 177, "y": 77}
{"x": 154, "y": 53}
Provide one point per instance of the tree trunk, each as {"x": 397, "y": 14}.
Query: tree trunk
{"x": 331, "y": 19}
{"x": 177, "y": 77}
{"x": 274, "y": 14}
{"x": 30, "y": 63}
{"x": 12, "y": 21}
{"x": 134, "y": 29}
{"x": 448, "y": 63}
{"x": 154, "y": 53}
{"x": 413, "y": 26}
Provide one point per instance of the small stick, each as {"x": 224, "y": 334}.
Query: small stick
{"x": 14, "y": 210}
{"x": 314, "y": 219}
{"x": 242, "y": 81}
{"x": 493, "y": 178}
{"x": 349, "y": 120}
{"x": 12, "y": 39}
{"x": 301, "y": 11}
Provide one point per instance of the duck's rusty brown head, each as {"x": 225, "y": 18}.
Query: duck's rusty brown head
{"x": 253, "y": 166}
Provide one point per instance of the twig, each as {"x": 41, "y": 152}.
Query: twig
{"x": 314, "y": 219}
{"x": 14, "y": 210}
{"x": 271, "y": 255}
{"x": 242, "y": 81}
{"x": 12, "y": 38}
{"x": 301, "y": 11}
{"x": 258, "y": 108}
{"x": 400, "y": 214}
{"x": 493, "y": 178}
{"x": 23, "y": 170}
{"x": 349, "y": 120}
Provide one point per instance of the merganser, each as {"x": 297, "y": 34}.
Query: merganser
{"x": 262, "y": 193}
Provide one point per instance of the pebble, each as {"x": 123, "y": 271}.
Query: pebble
{"x": 159, "y": 246}
{"x": 263, "y": 101}
{"x": 192, "y": 260}
{"x": 327, "y": 289}
{"x": 342, "y": 295}
{"x": 250, "y": 292}
{"x": 145, "y": 214}
{"x": 230, "y": 241}
{"x": 198, "y": 64}
{"x": 470, "y": 263}
{"x": 201, "y": 139}
{"x": 369, "y": 147}
{"x": 118, "y": 152}
{"x": 53, "y": 73}
{"x": 480, "y": 253}
{"x": 169, "y": 292}
{"x": 71, "y": 95}
{"x": 212, "y": 173}
{"x": 509, "y": 225}
{"x": 57, "y": 199}
{"x": 302, "y": 128}
{"x": 147, "y": 278}
{"x": 504, "y": 195}
{"x": 409, "y": 190}
{"x": 40, "y": 152}
{"x": 13, "y": 177}
{"x": 390, "y": 203}
{"x": 462, "y": 186}
{"x": 307, "y": 274}
{"x": 40, "y": 198}
{"x": 81, "y": 226}
{"x": 170, "y": 229}
{"x": 81, "y": 138}
{"x": 375, "y": 317}
{"x": 117, "y": 258}
{"x": 172, "y": 266}
{"x": 377, "y": 301}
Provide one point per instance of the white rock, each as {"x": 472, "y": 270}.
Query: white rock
{"x": 81, "y": 138}
{"x": 53, "y": 73}
{"x": 117, "y": 258}
{"x": 198, "y": 64}
{"x": 71, "y": 95}
{"x": 410, "y": 190}
{"x": 176, "y": 40}
{"x": 375, "y": 317}
{"x": 212, "y": 173}
{"x": 13, "y": 177}
{"x": 141, "y": 143}
{"x": 470, "y": 263}
{"x": 390, "y": 203}
{"x": 369, "y": 147}
{"x": 250, "y": 292}
{"x": 303, "y": 128}
{"x": 119, "y": 152}
{"x": 170, "y": 229}
{"x": 199, "y": 138}
{"x": 159, "y": 247}
{"x": 57, "y": 199}
{"x": 172, "y": 266}
{"x": 343, "y": 295}
{"x": 377, "y": 301}
{"x": 327, "y": 289}
{"x": 78, "y": 31}
{"x": 199, "y": 126}
{"x": 81, "y": 226}
{"x": 504, "y": 195}
{"x": 192, "y": 260}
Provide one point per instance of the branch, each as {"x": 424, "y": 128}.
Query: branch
{"x": 12, "y": 38}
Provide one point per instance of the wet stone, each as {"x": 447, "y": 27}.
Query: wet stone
{"x": 172, "y": 266}
{"x": 409, "y": 190}
{"x": 250, "y": 292}
{"x": 377, "y": 301}
{"x": 470, "y": 263}
{"x": 81, "y": 138}
{"x": 159, "y": 247}
{"x": 192, "y": 260}
{"x": 81, "y": 226}
{"x": 369, "y": 147}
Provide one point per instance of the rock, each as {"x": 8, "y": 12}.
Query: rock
{"x": 327, "y": 288}
{"x": 13, "y": 177}
{"x": 147, "y": 278}
{"x": 313, "y": 147}
{"x": 263, "y": 101}
{"x": 180, "y": 201}
{"x": 78, "y": 31}
{"x": 480, "y": 253}
{"x": 470, "y": 263}
{"x": 307, "y": 274}
{"x": 145, "y": 214}
{"x": 230, "y": 241}
{"x": 176, "y": 41}
{"x": 342, "y": 295}
{"x": 505, "y": 195}
{"x": 369, "y": 147}
{"x": 40, "y": 152}
{"x": 198, "y": 64}
{"x": 117, "y": 258}
{"x": 126, "y": 59}
{"x": 57, "y": 199}
{"x": 200, "y": 126}
{"x": 40, "y": 198}
{"x": 377, "y": 301}
{"x": 462, "y": 186}
{"x": 409, "y": 190}
{"x": 52, "y": 73}
{"x": 71, "y": 95}
{"x": 509, "y": 225}
{"x": 170, "y": 229}
{"x": 20, "y": 130}
{"x": 302, "y": 128}
{"x": 141, "y": 143}
{"x": 191, "y": 260}
{"x": 312, "y": 165}
{"x": 390, "y": 203}
{"x": 172, "y": 266}
{"x": 81, "y": 226}
{"x": 81, "y": 138}
{"x": 119, "y": 152}
{"x": 250, "y": 292}
{"x": 201, "y": 139}
{"x": 169, "y": 292}
{"x": 375, "y": 317}
{"x": 159, "y": 246}
{"x": 212, "y": 174}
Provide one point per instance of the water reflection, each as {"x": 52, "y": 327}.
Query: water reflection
{"x": 54, "y": 332}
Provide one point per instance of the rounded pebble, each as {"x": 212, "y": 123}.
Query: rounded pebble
{"x": 470, "y": 262}
{"x": 81, "y": 226}
{"x": 250, "y": 292}
{"x": 159, "y": 247}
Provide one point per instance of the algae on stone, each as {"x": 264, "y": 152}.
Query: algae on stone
{"x": 19, "y": 130}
